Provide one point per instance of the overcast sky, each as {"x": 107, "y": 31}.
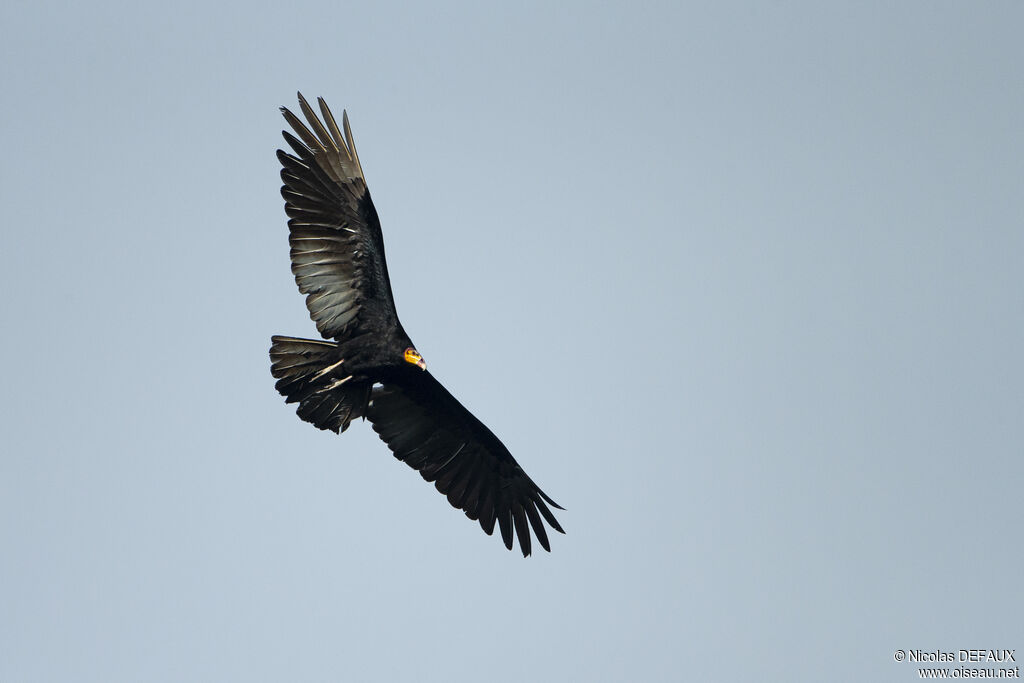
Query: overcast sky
{"x": 740, "y": 287}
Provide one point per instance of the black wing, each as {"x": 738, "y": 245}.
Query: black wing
{"x": 428, "y": 429}
{"x": 337, "y": 250}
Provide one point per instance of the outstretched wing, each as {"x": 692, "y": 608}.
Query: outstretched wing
{"x": 337, "y": 250}
{"x": 428, "y": 429}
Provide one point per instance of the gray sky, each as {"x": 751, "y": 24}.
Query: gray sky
{"x": 740, "y": 287}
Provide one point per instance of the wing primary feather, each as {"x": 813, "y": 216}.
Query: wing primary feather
{"x": 522, "y": 529}
{"x": 351, "y": 142}
{"x": 505, "y": 524}
{"x": 548, "y": 499}
{"x": 538, "y": 526}
{"x": 332, "y": 126}
{"x": 314, "y": 122}
{"x": 300, "y": 128}
{"x": 488, "y": 512}
{"x": 548, "y": 516}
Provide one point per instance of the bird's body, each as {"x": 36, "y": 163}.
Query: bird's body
{"x": 371, "y": 369}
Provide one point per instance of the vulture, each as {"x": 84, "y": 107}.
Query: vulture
{"x": 367, "y": 366}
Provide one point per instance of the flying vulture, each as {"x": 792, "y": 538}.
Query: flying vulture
{"x": 368, "y": 367}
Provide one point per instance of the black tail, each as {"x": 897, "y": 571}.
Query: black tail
{"x": 312, "y": 374}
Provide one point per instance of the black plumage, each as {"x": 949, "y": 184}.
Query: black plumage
{"x": 372, "y": 369}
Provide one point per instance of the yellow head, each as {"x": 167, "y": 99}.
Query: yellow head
{"x": 413, "y": 356}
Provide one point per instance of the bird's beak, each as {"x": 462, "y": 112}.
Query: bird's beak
{"x": 413, "y": 356}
